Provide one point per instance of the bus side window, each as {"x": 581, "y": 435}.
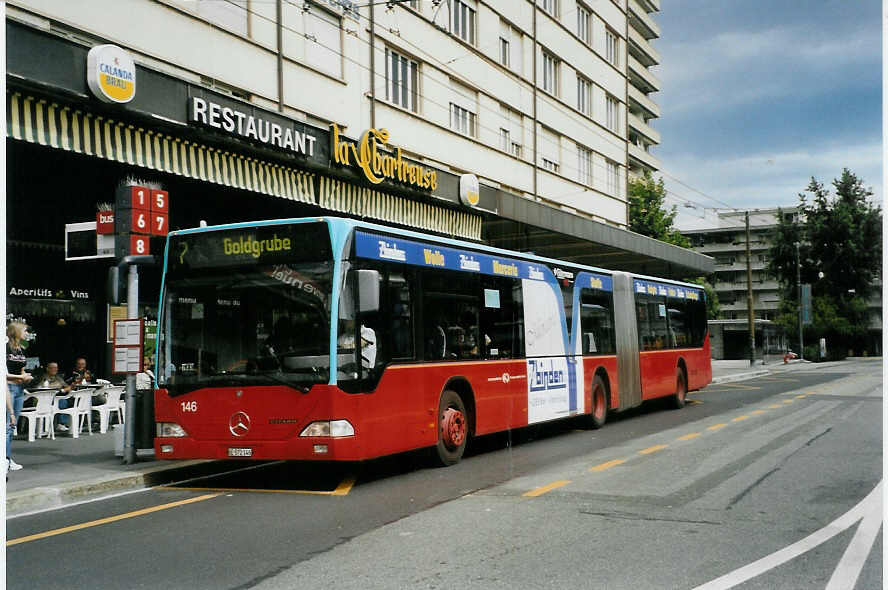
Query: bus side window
{"x": 400, "y": 316}
{"x": 597, "y": 321}
{"x": 501, "y": 324}
{"x": 652, "y": 323}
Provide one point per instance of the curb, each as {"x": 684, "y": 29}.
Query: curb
{"x": 49, "y": 497}
{"x": 739, "y": 376}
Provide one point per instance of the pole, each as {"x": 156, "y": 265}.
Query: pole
{"x": 799, "y": 285}
{"x": 373, "y": 67}
{"x": 750, "y": 312}
{"x": 132, "y": 311}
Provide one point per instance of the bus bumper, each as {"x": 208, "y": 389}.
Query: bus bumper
{"x": 302, "y": 449}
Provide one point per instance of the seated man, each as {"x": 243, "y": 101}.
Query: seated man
{"x": 52, "y": 379}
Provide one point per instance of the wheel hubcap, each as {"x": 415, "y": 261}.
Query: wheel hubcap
{"x": 453, "y": 428}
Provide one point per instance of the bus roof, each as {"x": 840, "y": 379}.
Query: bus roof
{"x": 359, "y": 224}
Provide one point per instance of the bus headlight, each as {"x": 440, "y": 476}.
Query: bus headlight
{"x": 169, "y": 430}
{"x": 329, "y": 428}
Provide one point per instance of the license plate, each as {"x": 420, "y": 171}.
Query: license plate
{"x": 234, "y": 452}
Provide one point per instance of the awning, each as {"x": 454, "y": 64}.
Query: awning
{"x": 337, "y": 195}
{"x": 45, "y": 122}
{"x": 63, "y": 127}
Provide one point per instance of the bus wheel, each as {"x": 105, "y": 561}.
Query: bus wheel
{"x": 453, "y": 428}
{"x": 599, "y": 403}
{"x": 681, "y": 389}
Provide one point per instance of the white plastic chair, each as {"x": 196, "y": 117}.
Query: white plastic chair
{"x": 41, "y": 414}
{"x": 113, "y": 403}
{"x": 80, "y": 412}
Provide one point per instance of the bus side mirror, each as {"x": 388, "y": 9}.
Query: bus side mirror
{"x": 368, "y": 290}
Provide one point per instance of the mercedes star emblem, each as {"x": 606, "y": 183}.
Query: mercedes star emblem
{"x": 239, "y": 424}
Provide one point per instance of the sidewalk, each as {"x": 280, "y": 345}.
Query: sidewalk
{"x": 65, "y": 470}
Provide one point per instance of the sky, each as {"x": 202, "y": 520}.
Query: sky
{"x": 758, "y": 96}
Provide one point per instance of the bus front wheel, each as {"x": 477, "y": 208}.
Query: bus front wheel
{"x": 681, "y": 389}
{"x": 453, "y": 428}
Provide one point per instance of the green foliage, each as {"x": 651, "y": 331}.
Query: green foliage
{"x": 712, "y": 305}
{"x": 648, "y": 215}
{"x": 839, "y": 236}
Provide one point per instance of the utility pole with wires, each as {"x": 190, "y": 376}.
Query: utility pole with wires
{"x": 749, "y": 307}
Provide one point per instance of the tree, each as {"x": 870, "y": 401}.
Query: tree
{"x": 839, "y": 254}
{"x": 647, "y": 213}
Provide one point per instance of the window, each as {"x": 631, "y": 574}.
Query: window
{"x": 401, "y": 80}
{"x": 549, "y": 145}
{"x": 400, "y": 319}
{"x": 611, "y": 48}
{"x": 462, "y": 120}
{"x": 463, "y": 21}
{"x": 323, "y": 43}
{"x": 515, "y": 150}
{"x": 505, "y": 142}
{"x": 653, "y": 332}
{"x": 613, "y": 177}
{"x": 229, "y": 15}
{"x": 505, "y": 57}
{"x": 687, "y": 322}
{"x": 597, "y": 321}
{"x": 550, "y": 165}
{"x": 584, "y": 95}
{"x": 550, "y": 6}
{"x": 613, "y": 114}
{"x": 550, "y": 73}
{"x": 584, "y": 164}
{"x": 584, "y": 29}
{"x": 414, "y": 4}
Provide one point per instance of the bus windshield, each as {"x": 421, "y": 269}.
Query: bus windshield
{"x": 237, "y": 318}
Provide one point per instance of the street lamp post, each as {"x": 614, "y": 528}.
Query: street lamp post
{"x": 799, "y": 285}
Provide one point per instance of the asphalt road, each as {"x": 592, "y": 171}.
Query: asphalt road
{"x": 759, "y": 484}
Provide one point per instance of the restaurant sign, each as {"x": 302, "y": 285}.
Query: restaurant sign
{"x": 378, "y": 164}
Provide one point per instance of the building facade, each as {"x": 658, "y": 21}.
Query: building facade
{"x": 247, "y": 110}
{"x": 726, "y": 244}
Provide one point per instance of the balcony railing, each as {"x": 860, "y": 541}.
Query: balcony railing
{"x": 643, "y": 101}
{"x": 652, "y": 56}
{"x": 645, "y": 158}
{"x": 649, "y": 28}
{"x": 650, "y": 81}
{"x": 635, "y": 122}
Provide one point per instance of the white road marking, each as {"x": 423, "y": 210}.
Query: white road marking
{"x": 869, "y": 510}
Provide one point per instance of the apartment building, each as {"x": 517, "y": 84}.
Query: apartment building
{"x": 509, "y": 122}
{"x": 726, "y": 243}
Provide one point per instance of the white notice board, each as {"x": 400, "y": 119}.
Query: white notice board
{"x": 128, "y": 338}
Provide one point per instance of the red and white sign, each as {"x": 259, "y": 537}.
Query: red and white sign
{"x": 160, "y": 224}
{"x": 140, "y": 245}
{"x": 160, "y": 201}
{"x": 137, "y": 197}
{"x": 105, "y": 222}
{"x": 139, "y": 221}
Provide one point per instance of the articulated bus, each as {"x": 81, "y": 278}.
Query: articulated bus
{"x": 334, "y": 339}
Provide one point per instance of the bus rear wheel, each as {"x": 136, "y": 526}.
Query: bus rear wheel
{"x": 681, "y": 389}
{"x": 598, "y": 415}
{"x": 453, "y": 428}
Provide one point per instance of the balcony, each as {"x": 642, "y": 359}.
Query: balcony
{"x": 650, "y": 5}
{"x": 638, "y": 18}
{"x": 649, "y": 55}
{"x": 643, "y": 102}
{"x": 642, "y": 78}
{"x": 635, "y": 122}
{"x": 644, "y": 158}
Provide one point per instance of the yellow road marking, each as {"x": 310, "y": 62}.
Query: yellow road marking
{"x": 101, "y": 521}
{"x": 689, "y": 436}
{"x": 788, "y": 401}
{"x": 607, "y": 465}
{"x": 716, "y": 426}
{"x": 546, "y": 488}
{"x": 341, "y": 490}
{"x": 757, "y": 412}
{"x": 802, "y": 396}
{"x": 344, "y": 487}
{"x": 739, "y": 418}
{"x": 774, "y": 406}
{"x": 652, "y": 449}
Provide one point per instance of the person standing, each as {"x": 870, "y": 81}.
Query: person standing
{"x": 16, "y": 378}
